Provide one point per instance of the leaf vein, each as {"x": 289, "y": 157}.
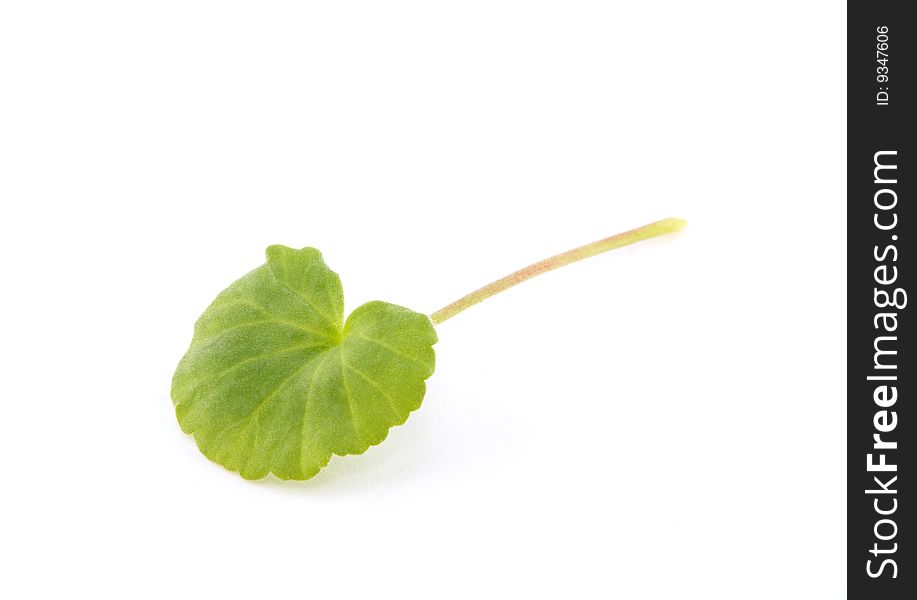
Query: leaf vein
{"x": 224, "y": 372}
{"x": 416, "y": 361}
{"x": 309, "y": 301}
{"x": 274, "y": 317}
{"x": 302, "y": 446}
{"x": 353, "y": 420}
{"x": 366, "y": 378}
{"x": 273, "y": 393}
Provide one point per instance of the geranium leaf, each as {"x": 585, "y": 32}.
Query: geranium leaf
{"x": 276, "y": 382}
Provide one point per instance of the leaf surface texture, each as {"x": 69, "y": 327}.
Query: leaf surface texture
{"x": 276, "y": 382}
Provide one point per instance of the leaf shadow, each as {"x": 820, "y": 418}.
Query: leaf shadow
{"x": 403, "y": 456}
{"x": 447, "y": 438}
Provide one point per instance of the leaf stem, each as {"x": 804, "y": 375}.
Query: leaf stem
{"x": 670, "y": 225}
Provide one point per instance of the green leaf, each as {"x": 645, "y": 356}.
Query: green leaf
{"x": 276, "y": 382}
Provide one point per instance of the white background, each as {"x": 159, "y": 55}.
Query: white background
{"x": 665, "y": 421}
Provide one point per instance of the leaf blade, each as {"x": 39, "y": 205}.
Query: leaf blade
{"x": 275, "y": 381}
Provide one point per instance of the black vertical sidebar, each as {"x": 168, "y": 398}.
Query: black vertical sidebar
{"x": 881, "y": 270}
